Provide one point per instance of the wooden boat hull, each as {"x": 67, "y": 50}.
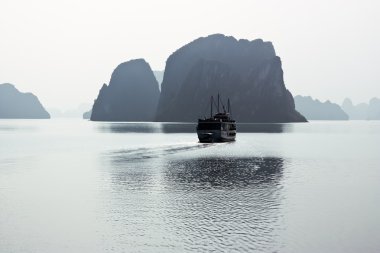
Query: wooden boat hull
{"x": 209, "y": 136}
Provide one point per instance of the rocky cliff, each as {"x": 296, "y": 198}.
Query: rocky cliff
{"x": 132, "y": 94}
{"x": 17, "y": 105}
{"x": 247, "y": 72}
{"x": 316, "y": 110}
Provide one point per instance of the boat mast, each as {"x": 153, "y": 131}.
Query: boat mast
{"x": 228, "y": 105}
{"x": 218, "y": 102}
{"x": 212, "y": 101}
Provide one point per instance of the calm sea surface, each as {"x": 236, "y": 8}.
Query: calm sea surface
{"x": 80, "y": 186}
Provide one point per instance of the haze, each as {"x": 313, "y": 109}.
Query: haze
{"x": 63, "y": 51}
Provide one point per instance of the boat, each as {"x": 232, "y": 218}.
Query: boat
{"x": 220, "y": 127}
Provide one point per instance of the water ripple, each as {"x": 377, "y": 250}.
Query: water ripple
{"x": 201, "y": 203}
{"x": 128, "y": 155}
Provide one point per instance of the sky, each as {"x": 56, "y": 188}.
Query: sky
{"x": 63, "y": 51}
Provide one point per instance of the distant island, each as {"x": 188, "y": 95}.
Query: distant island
{"x": 17, "y": 105}
{"x": 87, "y": 115}
{"x": 159, "y": 75}
{"x": 70, "y": 113}
{"x": 247, "y": 72}
{"x": 316, "y": 110}
{"x": 374, "y": 109}
{"x": 132, "y": 94}
{"x": 362, "y": 111}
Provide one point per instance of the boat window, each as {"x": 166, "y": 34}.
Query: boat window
{"x": 209, "y": 126}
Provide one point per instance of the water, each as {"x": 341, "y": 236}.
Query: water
{"x": 80, "y": 186}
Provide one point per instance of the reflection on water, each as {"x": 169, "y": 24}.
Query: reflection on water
{"x": 14, "y": 128}
{"x": 199, "y": 203}
{"x": 225, "y": 204}
{"x": 129, "y": 127}
{"x": 158, "y": 127}
{"x": 81, "y": 186}
{"x": 264, "y": 128}
{"x": 225, "y": 172}
{"x": 178, "y": 128}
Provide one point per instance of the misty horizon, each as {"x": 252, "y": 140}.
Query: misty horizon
{"x": 189, "y": 126}
{"x": 63, "y": 52}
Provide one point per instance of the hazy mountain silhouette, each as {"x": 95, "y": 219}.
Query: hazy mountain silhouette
{"x": 71, "y": 113}
{"x": 316, "y": 110}
{"x": 374, "y": 109}
{"x": 355, "y": 112}
{"x": 248, "y": 72}
{"x": 17, "y": 105}
{"x": 132, "y": 94}
{"x": 159, "y": 75}
{"x": 87, "y": 115}
{"x": 362, "y": 111}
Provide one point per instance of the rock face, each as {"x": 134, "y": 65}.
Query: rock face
{"x": 316, "y": 110}
{"x": 247, "y": 72}
{"x": 132, "y": 94}
{"x": 17, "y": 105}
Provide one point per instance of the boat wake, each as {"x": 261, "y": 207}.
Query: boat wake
{"x": 157, "y": 151}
